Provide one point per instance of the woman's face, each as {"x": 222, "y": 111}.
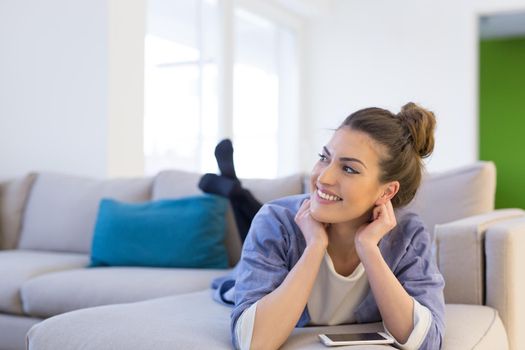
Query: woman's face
{"x": 345, "y": 180}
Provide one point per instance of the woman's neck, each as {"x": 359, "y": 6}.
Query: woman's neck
{"x": 341, "y": 248}
{"x": 341, "y": 241}
{"x": 341, "y": 244}
{"x": 341, "y": 236}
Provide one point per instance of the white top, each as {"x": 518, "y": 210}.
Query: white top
{"x": 335, "y": 297}
{"x": 333, "y": 300}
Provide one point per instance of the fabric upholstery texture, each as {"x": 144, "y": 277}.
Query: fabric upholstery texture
{"x": 461, "y": 254}
{"x": 190, "y": 321}
{"x": 185, "y": 316}
{"x": 194, "y": 321}
{"x": 458, "y": 193}
{"x": 13, "y": 329}
{"x": 19, "y": 266}
{"x": 13, "y": 197}
{"x": 473, "y": 327}
{"x": 74, "y": 200}
{"x": 504, "y": 244}
{"x": 266, "y": 190}
{"x": 56, "y": 293}
{"x": 482, "y": 324}
{"x": 176, "y": 184}
{"x": 186, "y": 232}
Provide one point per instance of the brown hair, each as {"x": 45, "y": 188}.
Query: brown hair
{"x": 408, "y": 137}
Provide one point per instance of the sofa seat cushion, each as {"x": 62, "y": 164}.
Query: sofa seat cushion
{"x": 474, "y": 327}
{"x": 13, "y": 330}
{"x": 19, "y": 266}
{"x": 195, "y": 321}
{"x": 61, "y": 292}
{"x": 189, "y": 321}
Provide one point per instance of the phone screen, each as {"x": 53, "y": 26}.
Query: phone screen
{"x": 355, "y": 337}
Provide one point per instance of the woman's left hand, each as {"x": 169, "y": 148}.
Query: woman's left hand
{"x": 370, "y": 233}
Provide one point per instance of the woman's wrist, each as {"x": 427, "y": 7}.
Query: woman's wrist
{"x": 317, "y": 244}
{"x": 367, "y": 251}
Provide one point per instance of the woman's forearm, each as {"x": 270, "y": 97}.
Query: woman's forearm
{"x": 278, "y": 312}
{"x": 394, "y": 303}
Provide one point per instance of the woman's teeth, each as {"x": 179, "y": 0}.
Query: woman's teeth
{"x": 328, "y": 197}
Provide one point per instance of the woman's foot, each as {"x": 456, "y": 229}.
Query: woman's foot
{"x": 224, "y": 156}
{"x": 221, "y": 185}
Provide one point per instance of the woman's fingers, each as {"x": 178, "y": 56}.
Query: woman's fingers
{"x": 389, "y": 212}
{"x": 376, "y": 214}
{"x": 385, "y": 214}
{"x": 303, "y": 209}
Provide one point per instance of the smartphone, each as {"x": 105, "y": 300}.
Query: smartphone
{"x": 356, "y": 339}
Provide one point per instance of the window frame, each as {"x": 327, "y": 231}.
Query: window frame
{"x": 289, "y": 127}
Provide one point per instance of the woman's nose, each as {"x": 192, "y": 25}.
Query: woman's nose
{"x": 327, "y": 176}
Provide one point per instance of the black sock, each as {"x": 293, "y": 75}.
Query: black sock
{"x": 243, "y": 203}
{"x": 224, "y": 156}
{"x": 221, "y": 185}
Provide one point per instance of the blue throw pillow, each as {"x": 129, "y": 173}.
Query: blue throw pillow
{"x": 187, "y": 232}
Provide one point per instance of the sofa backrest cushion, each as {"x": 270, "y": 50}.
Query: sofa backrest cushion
{"x": 13, "y": 198}
{"x": 455, "y": 194}
{"x": 176, "y": 184}
{"x": 61, "y": 210}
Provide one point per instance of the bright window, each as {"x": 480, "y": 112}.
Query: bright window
{"x": 186, "y": 46}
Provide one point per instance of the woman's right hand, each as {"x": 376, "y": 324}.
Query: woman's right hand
{"x": 314, "y": 232}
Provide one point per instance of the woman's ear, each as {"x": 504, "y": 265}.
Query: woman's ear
{"x": 389, "y": 190}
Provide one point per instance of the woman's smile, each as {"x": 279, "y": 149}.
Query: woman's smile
{"x": 326, "y": 197}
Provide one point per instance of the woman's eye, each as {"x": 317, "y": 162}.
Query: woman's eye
{"x": 322, "y": 157}
{"x": 350, "y": 170}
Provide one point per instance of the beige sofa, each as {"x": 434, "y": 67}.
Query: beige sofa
{"x": 46, "y": 226}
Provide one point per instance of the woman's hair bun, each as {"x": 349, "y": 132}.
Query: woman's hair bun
{"x": 420, "y": 124}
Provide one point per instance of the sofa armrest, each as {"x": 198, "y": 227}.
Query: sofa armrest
{"x": 460, "y": 254}
{"x": 13, "y": 198}
{"x": 505, "y": 256}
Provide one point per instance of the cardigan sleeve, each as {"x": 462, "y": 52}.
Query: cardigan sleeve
{"x": 263, "y": 265}
{"x": 244, "y": 327}
{"x": 422, "y": 322}
{"x": 418, "y": 273}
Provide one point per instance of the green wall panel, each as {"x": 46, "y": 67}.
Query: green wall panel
{"x": 502, "y": 116}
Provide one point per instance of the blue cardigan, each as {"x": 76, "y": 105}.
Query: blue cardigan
{"x": 275, "y": 243}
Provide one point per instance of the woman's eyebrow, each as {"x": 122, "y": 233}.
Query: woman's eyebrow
{"x": 345, "y": 159}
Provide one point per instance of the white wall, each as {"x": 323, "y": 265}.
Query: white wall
{"x": 385, "y": 53}
{"x": 71, "y": 77}
{"x": 71, "y": 87}
{"x": 53, "y": 91}
{"x": 125, "y": 115}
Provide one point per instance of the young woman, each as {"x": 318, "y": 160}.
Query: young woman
{"x": 346, "y": 252}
